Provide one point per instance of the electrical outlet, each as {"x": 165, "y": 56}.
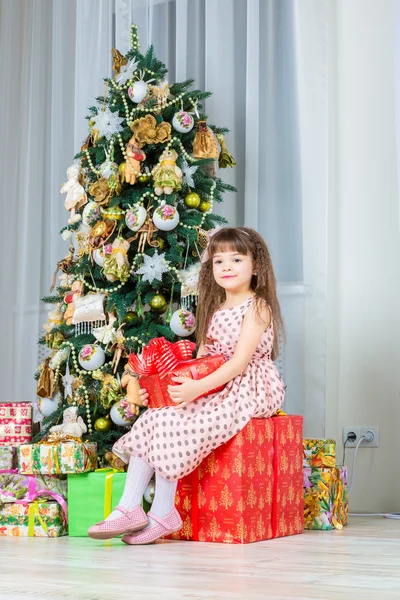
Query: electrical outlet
{"x": 356, "y": 433}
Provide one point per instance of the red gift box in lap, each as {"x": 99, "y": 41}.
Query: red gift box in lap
{"x": 15, "y": 423}
{"x": 249, "y": 489}
{"x": 157, "y": 385}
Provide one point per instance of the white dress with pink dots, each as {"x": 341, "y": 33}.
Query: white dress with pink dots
{"x": 174, "y": 442}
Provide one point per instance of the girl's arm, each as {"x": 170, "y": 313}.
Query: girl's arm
{"x": 253, "y": 327}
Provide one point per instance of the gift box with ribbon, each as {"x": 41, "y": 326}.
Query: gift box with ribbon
{"x": 35, "y": 519}
{"x": 15, "y": 487}
{"x": 7, "y": 457}
{"x": 54, "y": 459}
{"x": 325, "y": 497}
{"x": 319, "y": 453}
{"x": 15, "y": 423}
{"x": 161, "y": 360}
{"x": 249, "y": 489}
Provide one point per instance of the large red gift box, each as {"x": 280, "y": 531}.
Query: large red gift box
{"x": 157, "y": 385}
{"x": 15, "y": 423}
{"x": 249, "y": 489}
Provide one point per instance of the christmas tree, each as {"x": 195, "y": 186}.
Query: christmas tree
{"x": 140, "y": 197}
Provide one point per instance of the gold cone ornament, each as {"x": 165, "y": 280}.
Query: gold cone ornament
{"x": 225, "y": 158}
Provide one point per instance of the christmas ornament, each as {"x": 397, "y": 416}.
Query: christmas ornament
{"x": 188, "y": 172}
{"x": 134, "y": 156}
{"x": 158, "y": 304}
{"x": 54, "y": 318}
{"x": 189, "y": 285}
{"x": 149, "y": 492}
{"x": 45, "y": 384}
{"x": 146, "y": 131}
{"x": 76, "y": 195}
{"x": 182, "y": 121}
{"x": 72, "y": 426}
{"x": 135, "y": 216}
{"x": 167, "y": 175}
{"x": 100, "y": 191}
{"x": 126, "y": 71}
{"x": 115, "y": 462}
{"x": 100, "y": 232}
{"x": 99, "y": 254}
{"x": 119, "y": 61}
{"x": 68, "y": 381}
{"x": 132, "y": 386}
{"x": 116, "y": 265}
{"x": 204, "y": 206}
{"x": 145, "y": 235}
{"x": 110, "y": 391}
{"x": 130, "y": 316}
{"x": 67, "y": 235}
{"x": 118, "y": 348}
{"x": 46, "y": 406}
{"x": 108, "y": 168}
{"x": 165, "y": 217}
{"x": 91, "y": 213}
{"x": 91, "y": 357}
{"x": 138, "y": 91}
{"x": 117, "y": 414}
{"x": 107, "y": 123}
{"x": 59, "y": 358}
{"x": 225, "y": 159}
{"x": 107, "y": 334}
{"x": 192, "y": 200}
{"x": 114, "y": 213}
{"x": 183, "y": 323}
{"x": 70, "y": 299}
{"x": 144, "y": 177}
{"x": 153, "y": 267}
{"x": 88, "y": 313}
{"x": 121, "y": 170}
{"x": 205, "y": 146}
{"x": 160, "y": 94}
{"x": 102, "y": 424}
{"x": 161, "y": 242}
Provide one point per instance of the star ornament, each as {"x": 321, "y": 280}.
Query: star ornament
{"x": 107, "y": 123}
{"x": 127, "y": 72}
{"x": 188, "y": 172}
{"x": 153, "y": 267}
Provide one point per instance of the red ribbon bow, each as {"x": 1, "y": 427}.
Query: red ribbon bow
{"x": 160, "y": 356}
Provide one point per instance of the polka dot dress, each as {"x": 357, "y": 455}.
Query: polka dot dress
{"x": 174, "y": 442}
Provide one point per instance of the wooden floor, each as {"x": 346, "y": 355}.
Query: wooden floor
{"x": 362, "y": 562}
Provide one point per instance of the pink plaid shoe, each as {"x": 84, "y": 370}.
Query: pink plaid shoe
{"x": 129, "y": 521}
{"x": 169, "y": 524}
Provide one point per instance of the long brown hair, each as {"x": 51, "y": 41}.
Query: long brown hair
{"x": 245, "y": 241}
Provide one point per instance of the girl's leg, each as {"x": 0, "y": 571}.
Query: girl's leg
{"x": 164, "y": 497}
{"x": 137, "y": 479}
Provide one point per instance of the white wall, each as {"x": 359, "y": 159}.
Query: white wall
{"x": 363, "y": 349}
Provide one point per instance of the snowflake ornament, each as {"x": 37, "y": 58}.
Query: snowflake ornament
{"x": 107, "y": 123}
{"x": 126, "y": 72}
{"x": 153, "y": 267}
{"x": 188, "y": 172}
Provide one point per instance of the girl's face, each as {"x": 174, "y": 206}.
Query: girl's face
{"x": 233, "y": 271}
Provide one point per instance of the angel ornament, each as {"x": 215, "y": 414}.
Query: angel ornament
{"x": 116, "y": 265}
{"x": 145, "y": 235}
{"x": 190, "y": 286}
{"x": 76, "y": 195}
{"x": 118, "y": 348}
{"x": 107, "y": 334}
{"x": 72, "y": 425}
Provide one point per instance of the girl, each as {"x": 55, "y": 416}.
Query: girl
{"x": 239, "y": 316}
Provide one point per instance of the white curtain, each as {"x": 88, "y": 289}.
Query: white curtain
{"x": 265, "y": 62}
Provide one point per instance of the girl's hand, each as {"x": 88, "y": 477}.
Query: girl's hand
{"x": 143, "y": 396}
{"x": 184, "y": 393}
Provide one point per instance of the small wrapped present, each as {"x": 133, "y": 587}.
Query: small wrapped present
{"x": 319, "y": 453}
{"x": 162, "y": 360}
{"x": 15, "y": 487}
{"x": 247, "y": 490}
{"x": 92, "y": 497}
{"x": 325, "y": 497}
{"x": 53, "y": 459}
{"x": 15, "y": 423}
{"x": 34, "y": 519}
{"x": 7, "y": 458}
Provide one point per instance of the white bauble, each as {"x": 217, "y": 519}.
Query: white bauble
{"x": 98, "y": 256}
{"x": 108, "y": 168}
{"x": 90, "y": 213}
{"x": 183, "y": 323}
{"x": 182, "y": 121}
{"x": 46, "y": 406}
{"x": 165, "y": 217}
{"x": 59, "y": 357}
{"x": 91, "y": 357}
{"x": 117, "y": 414}
{"x": 135, "y": 217}
{"x": 149, "y": 492}
{"x": 66, "y": 235}
{"x": 138, "y": 91}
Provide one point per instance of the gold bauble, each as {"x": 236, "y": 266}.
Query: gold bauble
{"x": 158, "y": 304}
{"x": 114, "y": 213}
{"x": 130, "y": 316}
{"x": 102, "y": 424}
{"x": 192, "y": 200}
{"x": 204, "y": 206}
{"x": 121, "y": 168}
{"x": 144, "y": 177}
{"x": 161, "y": 243}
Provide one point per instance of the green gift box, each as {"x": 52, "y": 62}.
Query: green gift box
{"x": 91, "y": 498}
